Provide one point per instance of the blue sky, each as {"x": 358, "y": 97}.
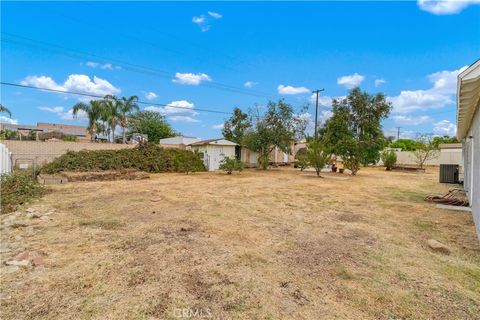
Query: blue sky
{"x": 219, "y": 55}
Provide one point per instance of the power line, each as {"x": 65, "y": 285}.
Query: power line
{"x": 126, "y": 65}
{"x": 102, "y": 97}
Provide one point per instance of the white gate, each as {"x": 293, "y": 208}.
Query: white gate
{"x": 5, "y": 159}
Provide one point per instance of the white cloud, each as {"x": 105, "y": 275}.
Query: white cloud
{"x": 103, "y": 66}
{"x": 379, "y": 82}
{"x": 411, "y": 121}
{"x": 66, "y": 115}
{"x": 193, "y": 79}
{"x": 324, "y": 100}
{"x": 181, "y": 111}
{"x": 291, "y": 90}
{"x": 351, "y": 81}
{"x": 92, "y": 64}
{"x": 441, "y": 94}
{"x": 218, "y": 126}
{"x": 444, "y": 7}
{"x": 151, "y": 95}
{"x": 250, "y": 84}
{"x": 201, "y": 22}
{"x": 75, "y": 82}
{"x": 444, "y": 127}
{"x": 214, "y": 15}
{"x": 8, "y": 120}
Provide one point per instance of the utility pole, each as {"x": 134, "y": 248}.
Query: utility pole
{"x": 398, "y": 133}
{"x": 316, "y": 111}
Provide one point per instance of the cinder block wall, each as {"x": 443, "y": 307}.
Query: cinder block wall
{"x": 40, "y": 152}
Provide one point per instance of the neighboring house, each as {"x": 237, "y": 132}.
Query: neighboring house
{"x": 68, "y": 130}
{"x": 213, "y": 151}
{"x": 468, "y": 132}
{"x": 180, "y": 142}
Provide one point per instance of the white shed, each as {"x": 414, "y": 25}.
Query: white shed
{"x": 177, "y": 141}
{"x": 213, "y": 151}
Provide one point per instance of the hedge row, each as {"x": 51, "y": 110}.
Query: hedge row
{"x": 18, "y": 188}
{"x": 148, "y": 158}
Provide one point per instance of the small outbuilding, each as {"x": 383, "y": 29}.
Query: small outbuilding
{"x": 180, "y": 142}
{"x": 213, "y": 151}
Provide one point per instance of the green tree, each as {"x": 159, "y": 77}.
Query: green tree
{"x": 235, "y": 128}
{"x": 317, "y": 155}
{"x": 230, "y": 164}
{"x": 126, "y": 107}
{"x": 405, "y": 144}
{"x": 354, "y": 131}
{"x": 111, "y": 113}
{"x": 151, "y": 123}
{"x": 437, "y": 141}
{"x": 93, "y": 110}
{"x": 273, "y": 129}
{"x": 5, "y": 109}
{"x": 426, "y": 150}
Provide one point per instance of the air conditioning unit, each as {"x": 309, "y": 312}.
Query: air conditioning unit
{"x": 449, "y": 173}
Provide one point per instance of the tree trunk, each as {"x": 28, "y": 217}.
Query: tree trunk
{"x": 113, "y": 134}
{"x": 94, "y": 131}
{"x": 123, "y": 135}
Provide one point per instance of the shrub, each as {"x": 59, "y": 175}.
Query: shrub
{"x": 148, "y": 158}
{"x": 317, "y": 156}
{"x": 70, "y": 138}
{"x": 231, "y": 164}
{"x": 188, "y": 162}
{"x": 301, "y": 159}
{"x": 18, "y": 188}
{"x": 389, "y": 159}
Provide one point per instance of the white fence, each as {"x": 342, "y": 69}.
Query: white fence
{"x": 5, "y": 160}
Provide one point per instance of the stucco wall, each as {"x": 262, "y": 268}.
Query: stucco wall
{"x": 472, "y": 169}
{"x": 40, "y": 152}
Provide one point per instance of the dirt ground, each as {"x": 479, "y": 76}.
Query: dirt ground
{"x": 279, "y": 244}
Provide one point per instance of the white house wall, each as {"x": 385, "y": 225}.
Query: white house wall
{"x": 471, "y": 154}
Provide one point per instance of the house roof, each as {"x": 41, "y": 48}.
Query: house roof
{"x": 179, "y": 140}
{"x": 221, "y": 142}
{"x": 468, "y": 96}
{"x": 450, "y": 146}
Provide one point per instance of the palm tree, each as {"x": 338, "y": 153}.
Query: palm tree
{"x": 127, "y": 106}
{"x": 112, "y": 112}
{"x": 5, "y": 109}
{"x": 93, "y": 111}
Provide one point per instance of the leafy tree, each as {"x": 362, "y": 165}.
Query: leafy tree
{"x": 235, "y": 128}
{"x": 389, "y": 159}
{"x": 437, "y": 141}
{"x": 317, "y": 155}
{"x": 405, "y": 144}
{"x": 93, "y": 110}
{"x": 301, "y": 159}
{"x": 354, "y": 132}
{"x": 111, "y": 113}
{"x": 426, "y": 150}
{"x": 126, "y": 106}
{"x": 231, "y": 164}
{"x": 151, "y": 123}
{"x": 272, "y": 129}
{"x": 5, "y": 109}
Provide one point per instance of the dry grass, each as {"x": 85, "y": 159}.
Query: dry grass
{"x": 257, "y": 245}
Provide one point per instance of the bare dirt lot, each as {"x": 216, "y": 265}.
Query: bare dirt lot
{"x": 257, "y": 245}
